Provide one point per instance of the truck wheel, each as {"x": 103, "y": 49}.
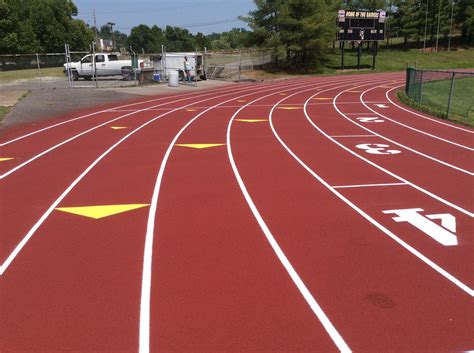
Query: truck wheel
{"x": 74, "y": 75}
{"x": 87, "y": 78}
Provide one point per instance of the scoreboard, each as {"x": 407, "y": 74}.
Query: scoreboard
{"x": 361, "y": 26}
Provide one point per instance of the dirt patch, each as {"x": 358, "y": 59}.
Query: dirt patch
{"x": 10, "y": 98}
{"x": 51, "y": 102}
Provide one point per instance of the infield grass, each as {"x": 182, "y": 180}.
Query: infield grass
{"x": 28, "y": 74}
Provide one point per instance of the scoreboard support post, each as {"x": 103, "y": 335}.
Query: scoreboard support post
{"x": 342, "y": 54}
{"x": 375, "y": 47}
{"x": 359, "y": 53}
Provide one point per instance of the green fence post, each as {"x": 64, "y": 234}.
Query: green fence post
{"x": 421, "y": 87}
{"x": 407, "y": 82}
{"x": 451, "y": 90}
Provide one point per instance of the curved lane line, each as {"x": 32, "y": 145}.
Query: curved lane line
{"x": 405, "y": 245}
{"x": 410, "y": 127}
{"x": 397, "y": 143}
{"x": 52, "y": 148}
{"x": 316, "y": 308}
{"x": 145, "y": 302}
{"x": 43, "y": 218}
{"x": 438, "y": 121}
{"x": 419, "y": 188}
{"x": 102, "y": 111}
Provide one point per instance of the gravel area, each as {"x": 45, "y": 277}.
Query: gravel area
{"x": 54, "y": 99}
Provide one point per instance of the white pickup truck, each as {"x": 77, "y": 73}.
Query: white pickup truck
{"x": 107, "y": 64}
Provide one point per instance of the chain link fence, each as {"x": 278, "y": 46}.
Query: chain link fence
{"x": 236, "y": 65}
{"x": 450, "y": 93}
{"x": 33, "y": 71}
{"x": 46, "y": 71}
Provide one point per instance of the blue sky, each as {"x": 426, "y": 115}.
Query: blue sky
{"x": 204, "y": 16}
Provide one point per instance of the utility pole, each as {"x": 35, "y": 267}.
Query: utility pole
{"x": 426, "y": 25}
{"x": 451, "y": 25}
{"x": 95, "y": 27}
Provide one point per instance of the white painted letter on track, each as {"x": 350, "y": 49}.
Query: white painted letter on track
{"x": 442, "y": 234}
{"x": 377, "y": 148}
{"x": 365, "y": 119}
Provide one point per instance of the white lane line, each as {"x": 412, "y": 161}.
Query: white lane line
{"x": 366, "y": 185}
{"x": 397, "y": 143}
{"x": 393, "y": 236}
{"x": 419, "y": 188}
{"x": 145, "y": 299}
{"x": 344, "y": 136}
{"x": 313, "y": 304}
{"x": 300, "y": 104}
{"x": 410, "y": 127}
{"x": 55, "y": 204}
{"x": 438, "y": 121}
{"x": 107, "y": 110}
{"x": 52, "y": 148}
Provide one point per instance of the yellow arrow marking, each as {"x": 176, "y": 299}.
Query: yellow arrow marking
{"x": 241, "y": 100}
{"x": 289, "y": 108}
{"x": 200, "y": 145}
{"x": 101, "y": 211}
{"x": 118, "y": 127}
{"x": 251, "y": 120}
{"x": 320, "y": 99}
{"x": 5, "y": 159}
{"x": 191, "y": 110}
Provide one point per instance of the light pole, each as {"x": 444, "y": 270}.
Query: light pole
{"x": 451, "y": 25}
{"x": 111, "y": 24}
{"x": 426, "y": 25}
{"x": 439, "y": 20}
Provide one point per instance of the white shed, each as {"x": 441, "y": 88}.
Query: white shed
{"x": 175, "y": 62}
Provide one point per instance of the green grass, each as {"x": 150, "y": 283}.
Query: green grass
{"x": 3, "y": 112}
{"x": 435, "y": 98}
{"x": 436, "y": 95}
{"x": 397, "y": 60}
{"x": 28, "y": 74}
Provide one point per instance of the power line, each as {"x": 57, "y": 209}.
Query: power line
{"x": 202, "y": 24}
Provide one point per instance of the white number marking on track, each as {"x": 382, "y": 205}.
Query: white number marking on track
{"x": 444, "y": 234}
{"x": 377, "y": 148}
{"x": 370, "y": 120}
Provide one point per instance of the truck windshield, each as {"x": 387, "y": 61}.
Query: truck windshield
{"x": 86, "y": 59}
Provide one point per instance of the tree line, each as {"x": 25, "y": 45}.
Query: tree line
{"x": 299, "y": 32}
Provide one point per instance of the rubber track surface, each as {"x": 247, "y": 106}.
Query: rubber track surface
{"x": 314, "y": 222}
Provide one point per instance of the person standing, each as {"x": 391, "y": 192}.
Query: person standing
{"x": 187, "y": 69}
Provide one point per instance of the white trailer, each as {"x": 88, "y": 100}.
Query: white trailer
{"x": 165, "y": 63}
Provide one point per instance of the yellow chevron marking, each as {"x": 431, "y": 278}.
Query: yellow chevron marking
{"x": 101, "y": 211}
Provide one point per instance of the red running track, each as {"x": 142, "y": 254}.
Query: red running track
{"x": 324, "y": 216}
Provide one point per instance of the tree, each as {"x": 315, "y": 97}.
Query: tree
{"x": 202, "y": 41}
{"x": 28, "y": 26}
{"x": 300, "y": 31}
{"x": 141, "y": 39}
{"x": 465, "y": 19}
{"x": 179, "y": 39}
